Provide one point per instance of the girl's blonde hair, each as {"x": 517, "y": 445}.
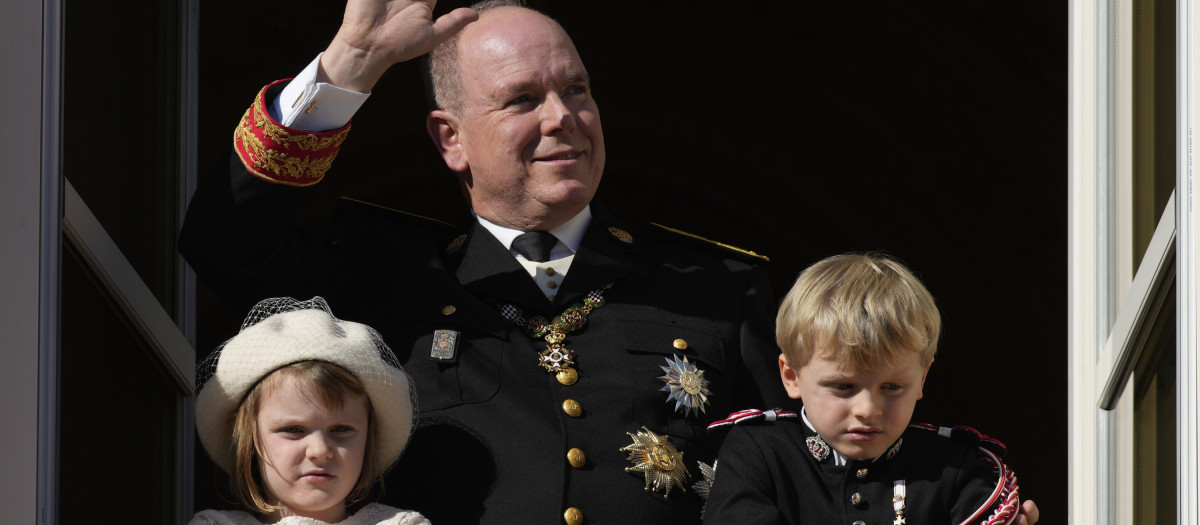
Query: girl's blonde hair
{"x": 862, "y": 310}
{"x": 327, "y": 383}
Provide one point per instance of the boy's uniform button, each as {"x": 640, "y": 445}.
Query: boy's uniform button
{"x": 680, "y": 344}
{"x": 572, "y": 408}
{"x": 855, "y": 499}
{"x": 862, "y": 473}
{"x": 573, "y": 516}
{"x": 576, "y": 458}
{"x": 859, "y": 522}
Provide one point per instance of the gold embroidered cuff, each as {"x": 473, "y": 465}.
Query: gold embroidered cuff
{"x": 282, "y": 155}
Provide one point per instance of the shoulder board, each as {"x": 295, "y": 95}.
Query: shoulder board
{"x": 740, "y": 252}
{"x": 351, "y": 205}
{"x": 968, "y": 436}
{"x": 1003, "y": 504}
{"x": 753, "y": 416}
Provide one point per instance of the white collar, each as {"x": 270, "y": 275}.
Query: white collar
{"x": 569, "y": 234}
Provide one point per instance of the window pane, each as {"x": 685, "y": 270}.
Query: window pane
{"x": 121, "y": 127}
{"x": 1154, "y": 117}
{"x": 1154, "y": 423}
{"x": 119, "y": 413}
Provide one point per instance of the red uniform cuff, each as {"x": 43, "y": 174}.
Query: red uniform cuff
{"x": 282, "y": 155}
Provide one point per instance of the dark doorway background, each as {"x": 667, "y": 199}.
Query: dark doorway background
{"x": 934, "y": 132}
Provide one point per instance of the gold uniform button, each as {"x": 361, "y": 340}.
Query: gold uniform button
{"x": 680, "y": 344}
{"x": 576, "y": 458}
{"x": 568, "y": 376}
{"x": 551, "y": 285}
{"x": 448, "y": 309}
{"x": 573, "y": 516}
{"x": 572, "y": 408}
{"x": 855, "y": 499}
{"x": 550, "y": 297}
{"x": 862, "y": 473}
{"x": 859, "y": 522}
{"x": 550, "y": 271}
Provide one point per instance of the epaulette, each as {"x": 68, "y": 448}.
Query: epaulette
{"x": 351, "y": 206}
{"x": 740, "y": 253}
{"x": 1003, "y": 504}
{"x": 968, "y": 436}
{"x": 753, "y": 416}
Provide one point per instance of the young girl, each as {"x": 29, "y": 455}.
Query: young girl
{"x": 305, "y": 412}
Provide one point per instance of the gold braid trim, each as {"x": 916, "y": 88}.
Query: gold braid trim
{"x": 282, "y": 155}
{"x": 721, "y": 244}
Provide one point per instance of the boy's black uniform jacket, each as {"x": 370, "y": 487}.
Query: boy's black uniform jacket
{"x": 493, "y": 438}
{"x": 767, "y": 475}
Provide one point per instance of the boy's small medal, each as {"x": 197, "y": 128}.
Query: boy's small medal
{"x": 898, "y": 502}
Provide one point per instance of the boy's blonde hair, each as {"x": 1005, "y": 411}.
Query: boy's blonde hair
{"x": 863, "y": 310}
{"x": 328, "y": 384}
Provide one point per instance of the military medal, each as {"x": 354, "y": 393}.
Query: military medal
{"x": 557, "y": 358}
{"x": 686, "y": 385}
{"x": 704, "y": 486}
{"x": 445, "y": 345}
{"x": 898, "y": 502}
{"x": 658, "y": 460}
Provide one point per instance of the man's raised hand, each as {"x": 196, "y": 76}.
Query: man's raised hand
{"x": 378, "y": 33}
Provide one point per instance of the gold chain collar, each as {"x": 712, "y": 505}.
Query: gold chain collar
{"x": 557, "y": 358}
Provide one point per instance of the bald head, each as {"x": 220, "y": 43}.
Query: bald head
{"x": 443, "y": 75}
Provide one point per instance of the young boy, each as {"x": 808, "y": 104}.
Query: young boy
{"x": 858, "y": 334}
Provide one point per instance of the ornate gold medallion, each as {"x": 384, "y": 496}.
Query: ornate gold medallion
{"x": 686, "y": 385}
{"x": 656, "y": 458}
{"x": 557, "y": 358}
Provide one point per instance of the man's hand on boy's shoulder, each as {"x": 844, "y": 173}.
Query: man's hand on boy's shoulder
{"x": 1028, "y": 514}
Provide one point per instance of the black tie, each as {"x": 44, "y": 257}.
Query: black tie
{"x": 534, "y": 246}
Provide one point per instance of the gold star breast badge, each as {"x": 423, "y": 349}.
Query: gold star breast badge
{"x": 658, "y": 460}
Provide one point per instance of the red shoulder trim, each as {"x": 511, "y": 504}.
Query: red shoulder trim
{"x": 752, "y": 415}
{"x": 282, "y": 155}
{"x": 1003, "y": 505}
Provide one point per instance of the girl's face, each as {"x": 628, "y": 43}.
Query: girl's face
{"x": 312, "y": 455}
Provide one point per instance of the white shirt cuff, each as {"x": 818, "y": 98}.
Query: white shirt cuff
{"x": 309, "y": 105}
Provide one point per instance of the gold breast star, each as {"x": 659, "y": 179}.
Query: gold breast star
{"x": 658, "y": 460}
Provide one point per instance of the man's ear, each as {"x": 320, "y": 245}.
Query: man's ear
{"x": 443, "y": 128}
{"x": 791, "y": 381}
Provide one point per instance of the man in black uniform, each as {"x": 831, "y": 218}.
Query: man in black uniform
{"x": 566, "y": 366}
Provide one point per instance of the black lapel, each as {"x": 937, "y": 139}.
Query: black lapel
{"x": 603, "y": 257}
{"x": 489, "y": 271}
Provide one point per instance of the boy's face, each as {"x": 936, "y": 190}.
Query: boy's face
{"x": 860, "y": 414}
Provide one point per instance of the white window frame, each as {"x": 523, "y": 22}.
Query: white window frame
{"x": 1103, "y": 340}
{"x": 1188, "y": 220}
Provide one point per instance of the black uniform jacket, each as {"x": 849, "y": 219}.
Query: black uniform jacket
{"x": 767, "y": 475}
{"x": 493, "y": 437}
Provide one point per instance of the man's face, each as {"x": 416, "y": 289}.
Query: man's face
{"x": 529, "y": 128}
{"x": 859, "y": 414}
